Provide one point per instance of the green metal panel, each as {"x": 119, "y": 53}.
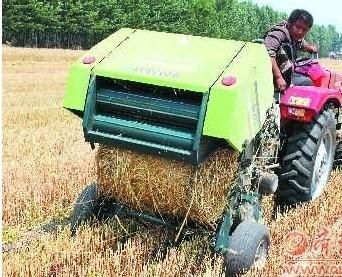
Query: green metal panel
{"x": 237, "y": 112}
{"x": 170, "y": 128}
{"x": 172, "y": 60}
{"x": 79, "y": 73}
{"x": 77, "y": 85}
{"x": 223, "y": 237}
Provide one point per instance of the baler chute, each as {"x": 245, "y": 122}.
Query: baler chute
{"x": 163, "y": 94}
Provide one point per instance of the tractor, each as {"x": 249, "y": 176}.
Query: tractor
{"x": 311, "y": 124}
{"x": 180, "y": 97}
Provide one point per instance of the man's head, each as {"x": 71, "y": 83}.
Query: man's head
{"x": 300, "y": 22}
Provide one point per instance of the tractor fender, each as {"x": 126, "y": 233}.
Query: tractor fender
{"x": 309, "y": 99}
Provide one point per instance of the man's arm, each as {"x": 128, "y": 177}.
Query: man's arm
{"x": 310, "y": 48}
{"x": 278, "y": 77}
{"x": 273, "y": 42}
{"x": 306, "y": 47}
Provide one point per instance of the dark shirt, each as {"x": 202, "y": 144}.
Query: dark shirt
{"x": 275, "y": 38}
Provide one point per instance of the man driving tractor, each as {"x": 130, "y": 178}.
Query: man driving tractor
{"x": 282, "y": 42}
{"x": 290, "y": 33}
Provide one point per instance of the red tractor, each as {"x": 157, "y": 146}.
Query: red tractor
{"x": 311, "y": 119}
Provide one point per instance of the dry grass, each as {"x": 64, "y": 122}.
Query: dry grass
{"x": 161, "y": 186}
{"x": 46, "y": 164}
{"x": 45, "y": 159}
{"x": 332, "y": 64}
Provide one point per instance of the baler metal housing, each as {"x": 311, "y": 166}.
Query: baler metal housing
{"x": 162, "y": 93}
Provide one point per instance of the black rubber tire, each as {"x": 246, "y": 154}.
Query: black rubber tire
{"x": 244, "y": 244}
{"x": 298, "y": 161}
{"x": 85, "y": 208}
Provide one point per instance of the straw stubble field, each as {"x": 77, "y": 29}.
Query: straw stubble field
{"x": 46, "y": 164}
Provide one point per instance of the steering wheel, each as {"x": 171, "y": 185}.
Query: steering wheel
{"x": 303, "y": 61}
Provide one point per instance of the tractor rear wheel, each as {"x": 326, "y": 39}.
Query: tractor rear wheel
{"x": 86, "y": 207}
{"x": 248, "y": 247}
{"x": 308, "y": 160}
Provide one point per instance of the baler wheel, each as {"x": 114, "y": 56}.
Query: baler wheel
{"x": 248, "y": 247}
{"x": 86, "y": 207}
{"x": 308, "y": 160}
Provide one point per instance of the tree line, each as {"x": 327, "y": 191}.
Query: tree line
{"x": 81, "y": 24}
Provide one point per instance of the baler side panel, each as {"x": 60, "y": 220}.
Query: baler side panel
{"x": 237, "y": 112}
{"x": 80, "y": 73}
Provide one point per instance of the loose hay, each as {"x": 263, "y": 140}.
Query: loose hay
{"x": 162, "y": 186}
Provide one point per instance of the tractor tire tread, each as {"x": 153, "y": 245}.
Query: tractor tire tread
{"x": 298, "y": 160}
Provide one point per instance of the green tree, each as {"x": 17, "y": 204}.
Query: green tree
{"x": 76, "y": 23}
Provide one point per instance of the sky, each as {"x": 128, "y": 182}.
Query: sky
{"x": 324, "y": 12}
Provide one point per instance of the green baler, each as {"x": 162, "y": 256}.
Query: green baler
{"x": 163, "y": 93}
{"x": 180, "y": 96}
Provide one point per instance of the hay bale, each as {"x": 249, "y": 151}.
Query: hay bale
{"x": 163, "y": 186}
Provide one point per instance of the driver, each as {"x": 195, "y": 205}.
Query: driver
{"x": 290, "y": 33}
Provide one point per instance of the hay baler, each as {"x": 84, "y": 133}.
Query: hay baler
{"x": 181, "y": 97}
